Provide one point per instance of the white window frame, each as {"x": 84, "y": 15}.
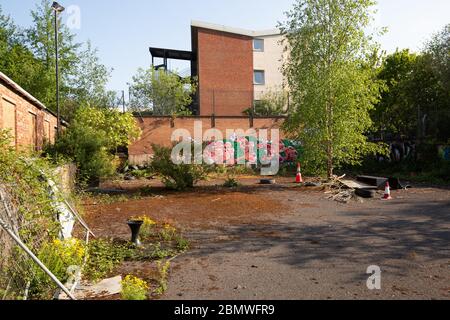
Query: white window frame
{"x": 254, "y": 48}
{"x": 254, "y": 77}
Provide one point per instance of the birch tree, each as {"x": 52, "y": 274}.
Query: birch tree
{"x": 331, "y": 75}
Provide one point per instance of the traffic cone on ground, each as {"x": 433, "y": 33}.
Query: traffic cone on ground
{"x": 298, "y": 178}
{"x": 387, "y": 192}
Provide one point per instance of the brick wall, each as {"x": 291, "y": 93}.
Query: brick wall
{"x": 158, "y": 130}
{"x": 29, "y": 123}
{"x": 225, "y": 72}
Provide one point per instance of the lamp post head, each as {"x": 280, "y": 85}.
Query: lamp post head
{"x": 57, "y": 7}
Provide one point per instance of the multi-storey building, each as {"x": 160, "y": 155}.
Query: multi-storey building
{"x": 234, "y": 67}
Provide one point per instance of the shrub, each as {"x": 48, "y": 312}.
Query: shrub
{"x": 86, "y": 147}
{"x": 182, "y": 244}
{"x": 177, "y": 176}
{"x": 57, "y": 256}
{"x": 91, "y": 139}
{"x": 231, "y": 183}
{"x": 134, "y": 288}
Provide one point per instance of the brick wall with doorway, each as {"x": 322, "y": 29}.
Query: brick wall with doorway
{"x": 29, "y": 122}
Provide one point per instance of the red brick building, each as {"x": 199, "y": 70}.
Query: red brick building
{"x": 224, "y": 70}
{"x": 30, "y": 123}
{"x": 233, "y": 67}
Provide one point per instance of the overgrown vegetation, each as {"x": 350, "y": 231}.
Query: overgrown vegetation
{"x": 231, "y": 182}
{"x": 134, "y": 288}
{"x": 57, "y": 256}
{"x": 92, "y": 138}
{"x": 104, "y": 256}
{"x": 163, "y": 269}
{"x": 177, "y": 176}
{"x": 22, "y": 178}
{"x": 160, "y": 240}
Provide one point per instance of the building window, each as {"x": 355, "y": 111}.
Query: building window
{"x": 258, "y": 45}
{"x": 259, "y": 77}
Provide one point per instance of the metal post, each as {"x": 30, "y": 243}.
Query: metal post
{"x": 58, "y": 113}
{"x": 123, "y": 100}
{"x": 214, "y": 102}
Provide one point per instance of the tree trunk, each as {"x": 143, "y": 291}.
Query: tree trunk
{"x": 329, "y": 160}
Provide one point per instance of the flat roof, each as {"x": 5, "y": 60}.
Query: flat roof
{"x": 223, "y": 28}
{"x": 171, "y": 54}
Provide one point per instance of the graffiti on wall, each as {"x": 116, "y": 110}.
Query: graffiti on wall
{"x": 399, "y": 151}
{"x": 249, "y": 150}
{"x": 444, "y": 152}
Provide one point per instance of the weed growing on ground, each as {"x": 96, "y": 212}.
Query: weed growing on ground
{"x": 163, "y": 270}
{"x": 167, "y": 232}
{"x": 148, "y": 228}
{"x": 104, "y": 256}
{"x": 134, "y": 288}
{"x": 182, "y": 244}
{"x": 160, "y": 253}
{"x": 231, "y": 183}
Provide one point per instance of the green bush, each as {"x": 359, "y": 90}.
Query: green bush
{"x": 231, "y": 183}
{"x": 177, "y": 176}
{"x": 92, "y": 138}
{"x": 86, "y": 147}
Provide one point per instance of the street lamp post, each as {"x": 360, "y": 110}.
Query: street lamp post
{"x": 57, "y": 8}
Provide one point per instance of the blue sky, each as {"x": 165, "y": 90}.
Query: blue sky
{"x": 123, "y": 30}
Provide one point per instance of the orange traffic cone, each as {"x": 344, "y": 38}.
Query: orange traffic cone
{"x": 298, "y": 178}
{"x": 387, "y": 192}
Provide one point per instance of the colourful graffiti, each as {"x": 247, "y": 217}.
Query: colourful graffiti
{"x": 399, "y": 151}
{"x": 444, "y": 152}
{"x": 249, "y": 150}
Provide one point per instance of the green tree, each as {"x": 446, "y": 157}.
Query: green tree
{"x": 271, "y": 103}
{"x": 393, "y": 113}
{"x": 89, "y": 84}
{"x": 120, "y": 128}
{"x": 330, "y": 73}
{"x": 417, "y": 102}
{"x": 437, "y": 52}
{"x": 17, "y": 61}
{"x": 41, "y": 41}
{"x": 161, "y": 92}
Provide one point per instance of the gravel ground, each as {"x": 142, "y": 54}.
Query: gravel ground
{"x": 291, "y": 243}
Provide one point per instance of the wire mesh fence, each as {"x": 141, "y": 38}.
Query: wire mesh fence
{"x": 219, "y": 102}
{"x": 40, "y": 258}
